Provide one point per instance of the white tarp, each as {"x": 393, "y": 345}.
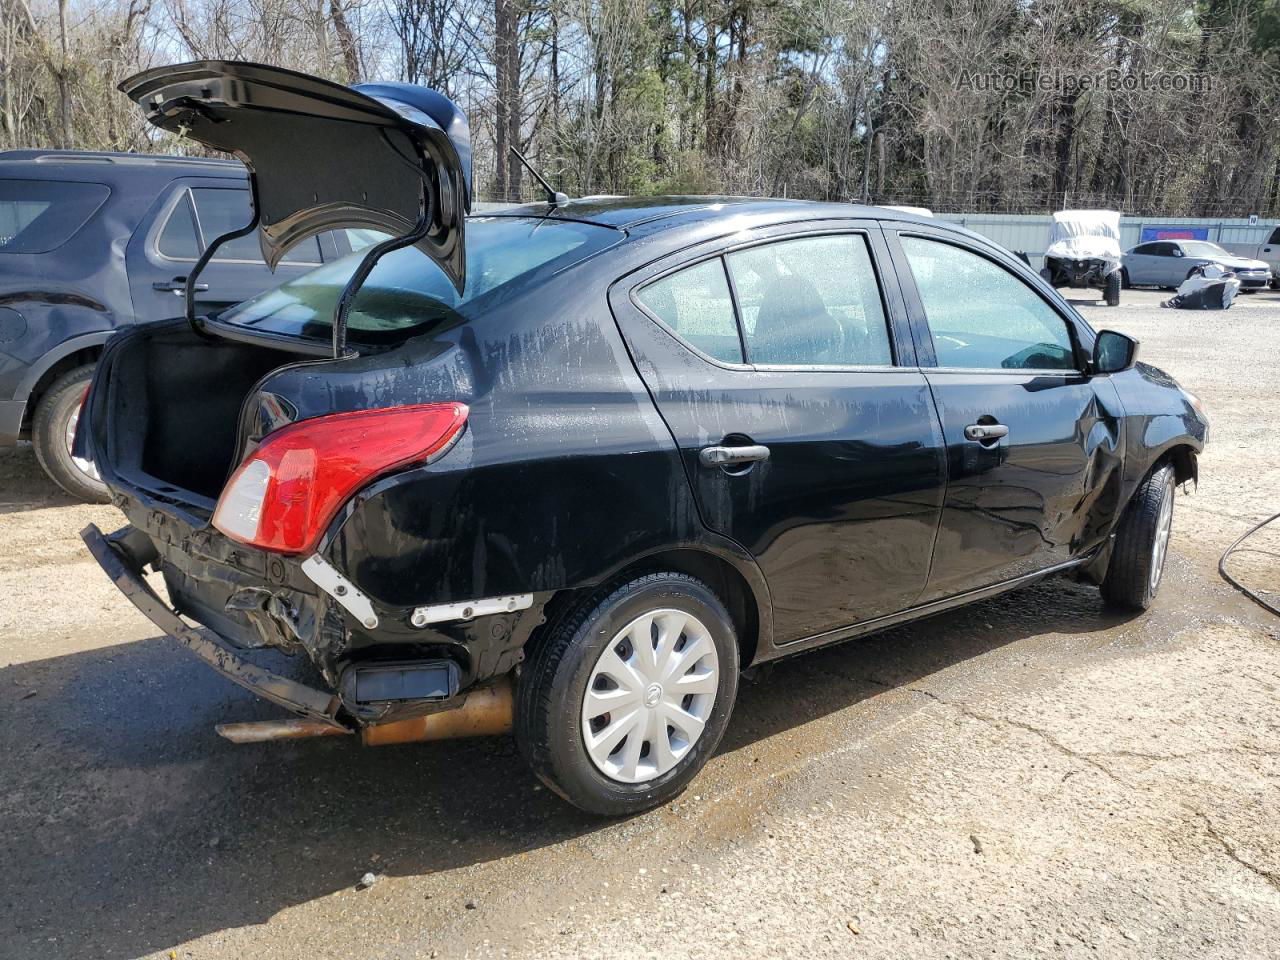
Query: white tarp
{"x": 1211, "y": 287}
{"x": 1086, "y": 235}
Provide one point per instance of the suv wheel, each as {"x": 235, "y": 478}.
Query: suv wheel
{"x": 54, "y": 427}
{"x": 1142, "y": 544}
{"x": 626, "y": 696}
{"x": 1112, "y": 289}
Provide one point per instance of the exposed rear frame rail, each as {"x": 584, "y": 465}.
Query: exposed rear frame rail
{"x": 298, "y": 697}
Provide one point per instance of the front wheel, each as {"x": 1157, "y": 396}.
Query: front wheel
{"x": 1141, "y": 544}
{"x": 626, "y": 696}
{"x": 1112, "y": 291}
{"x": 54, "y": 428}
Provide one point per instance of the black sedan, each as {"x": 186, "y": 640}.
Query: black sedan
{"x": 572, "y": 468}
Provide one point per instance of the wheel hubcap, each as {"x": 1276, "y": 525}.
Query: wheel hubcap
{"x": 83, "y": 464}
{"x": 650, "y": 695}
{"x": 1160, "y": 549}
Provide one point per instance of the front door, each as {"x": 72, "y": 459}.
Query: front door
{"x": 190, "y": 216}
{"x": 784, "y": 368}
{"x": 1033, "y": 442}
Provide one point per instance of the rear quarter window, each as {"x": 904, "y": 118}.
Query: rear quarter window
{"x": 37, "y": 216}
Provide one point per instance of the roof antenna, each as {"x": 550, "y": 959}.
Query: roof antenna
{"x": 554, "y": 197}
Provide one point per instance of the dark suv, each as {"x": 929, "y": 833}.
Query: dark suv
{"x": 573, "y": 467}
{"x": 91, "y": 242}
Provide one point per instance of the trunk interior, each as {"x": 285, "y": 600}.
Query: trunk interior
{"x": 175, "y": 410}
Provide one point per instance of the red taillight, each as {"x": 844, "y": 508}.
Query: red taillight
{"x": 288, "y": 490}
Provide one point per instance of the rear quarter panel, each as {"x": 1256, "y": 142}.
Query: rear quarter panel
{"x": 565, "y": 471}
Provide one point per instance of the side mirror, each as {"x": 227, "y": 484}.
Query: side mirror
{"x": 1113, "y": 352}
{"x": 1177, "y": 252}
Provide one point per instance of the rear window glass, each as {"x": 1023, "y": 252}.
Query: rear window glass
{"x": 37, "y": 216}
{"x": 407, "y": 290}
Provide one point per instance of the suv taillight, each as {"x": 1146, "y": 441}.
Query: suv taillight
{"x": 286, "y": 492}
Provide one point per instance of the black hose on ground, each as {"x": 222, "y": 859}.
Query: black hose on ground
{"x": 1222, "y": 566}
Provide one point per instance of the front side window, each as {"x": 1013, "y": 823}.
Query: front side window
{"x": 37, "y": 216}
{"x": 812, "y": 301}
{"x": 696, "y": 304}
{"x": 981, "y": 316}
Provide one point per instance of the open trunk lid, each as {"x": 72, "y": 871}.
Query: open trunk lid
{"x": 323, "y": 156}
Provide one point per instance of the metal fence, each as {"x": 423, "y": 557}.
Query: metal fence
{"x": 1030, "y": 232}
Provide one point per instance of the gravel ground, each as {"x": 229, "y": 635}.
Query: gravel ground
{"x": 1030, "y": 776}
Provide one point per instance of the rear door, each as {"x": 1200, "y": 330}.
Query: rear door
{"x": 191, "y": 214}
{"x": 1143, "y": 264}
{"x": 1033, "y": 442}
{"x": 784, "y": 368}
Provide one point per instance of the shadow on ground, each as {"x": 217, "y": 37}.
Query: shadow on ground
{"x": 24, "y": 485}
{"x": 127, "y": 825}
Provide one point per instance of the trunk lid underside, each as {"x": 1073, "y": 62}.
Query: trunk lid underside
{"x": 323, "y": 156}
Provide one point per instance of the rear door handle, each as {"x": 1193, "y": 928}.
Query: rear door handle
{"x": 729, "y": 456}
{"x": 985, "y": 431}
{"x": 177, "y": 285}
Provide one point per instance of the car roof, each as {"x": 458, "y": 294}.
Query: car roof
{"x": 672, "y": 211}
{"x": 106, "y": 167}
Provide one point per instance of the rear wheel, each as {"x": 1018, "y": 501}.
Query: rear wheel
{"x": 626, "y": 696}
{"x": 1142, "y": 544}
{"x": 54, "y": 428}
{"x": 1112, "y": 290}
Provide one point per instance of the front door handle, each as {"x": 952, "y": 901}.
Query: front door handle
{"x": 731, "y": 456}
{"x": 985, "y": 431}
{"x": 177, "y": 285}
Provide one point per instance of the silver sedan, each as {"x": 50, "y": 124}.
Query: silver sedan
{"x": 1166, "y": 263}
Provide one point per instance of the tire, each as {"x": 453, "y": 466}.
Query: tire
{"x": 581, "y": 650}
{"x": 1141, "y": 545}
{"x": 1125, "y": 282}
{"x": 1112, "y": 289}
{"x": 53, "y": 424}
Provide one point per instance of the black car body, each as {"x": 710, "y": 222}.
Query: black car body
{"x": 94, "y": 242}
{"x": 667, "y": 387}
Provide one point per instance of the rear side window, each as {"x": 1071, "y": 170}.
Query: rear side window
{"x": 813, "y": 301}
{"x": 983, "y": 317}
{"x": 696, "y": 304}
{"x": 37, "y": 216}
{"x": 203, "y": 214}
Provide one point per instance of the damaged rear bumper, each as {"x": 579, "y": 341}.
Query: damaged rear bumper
{"x": 484, "y": 710}
{"x": 117, "y": 556}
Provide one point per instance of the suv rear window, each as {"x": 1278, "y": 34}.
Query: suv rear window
{"x": 407, "y": 290}
{"x": 37, "y": 216}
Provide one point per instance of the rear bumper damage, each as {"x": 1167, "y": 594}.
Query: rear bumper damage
{"x": 118, "y": 555}
{"x": 385, "y": 701}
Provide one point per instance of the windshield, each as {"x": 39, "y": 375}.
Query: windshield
{"x": 407, "y": 290}
{"x": 1202, "y": 248}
